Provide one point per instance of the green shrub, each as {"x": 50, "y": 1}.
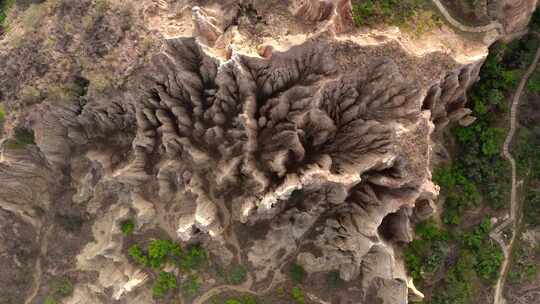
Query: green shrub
{"x": 191, "y": 285}
{"x": 160, "y": 250}
{"x": 532, "y": 207}
{"x": 62, "y": 288}
{"x": 237, "y": 275}
{"x": 297, "y": 273}
{"x": 50, "y": 300}
{"x": 427, "y": 252}
{"x": 249, "y": 299}
{"x": 194, "y": 258}
{"x": 2, "y": 113}
{"x": 21, "y": 139}
{"x": 127, "y": 227}
{"x": 5, "y": 6}
{"x": 233, "y": 301}
{"x": 533, "y": 85}
{"x": 137, "y": 254}
{"x": 298, "y": 295}
{"x": 165, "y": 282}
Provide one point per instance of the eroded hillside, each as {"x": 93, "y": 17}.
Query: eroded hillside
{"x": 199, "y": 151}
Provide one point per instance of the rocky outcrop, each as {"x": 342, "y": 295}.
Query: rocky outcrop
{"x": 515, "y": 14}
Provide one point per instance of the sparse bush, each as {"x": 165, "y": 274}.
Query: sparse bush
{"x": 237, "y": 275}
{"x": 5, "y": 6}
{"x": 159, "y": 250}
{"x": 127, "y": 227}
{"x": 298, "y": 295}
{"x": 50, "y": 300}
{"x": 138, "y": 255}
{"x": 62, "y": 288}
{"x": 191, "y": 285}
{"x": 297, "y": 273}
{"x": 193, "y": 258}
{"x": 2, "y": 113}
{"x": 21, "y": 139}
{"x": 165, "y": 282}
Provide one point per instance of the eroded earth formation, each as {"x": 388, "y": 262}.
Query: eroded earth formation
{"x": 269, "y": 131}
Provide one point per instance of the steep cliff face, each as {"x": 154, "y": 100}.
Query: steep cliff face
{"x": 259, "y": 116}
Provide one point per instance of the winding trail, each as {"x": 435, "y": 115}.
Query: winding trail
{"x": 494, "y": 25}
{"x": 514, "y": 204}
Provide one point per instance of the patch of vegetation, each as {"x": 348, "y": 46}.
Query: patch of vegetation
{"x": 478, "y": 261}
{"x": 237, "y": 275}
{"x": 412, "y": 15}
{"x": 138, "y": 255}
{"x": 488, "y": 256}
{"x": 297, "y": 273}
{"x": 165, "y": 282}
{"x": 477, "y": 175}
{"x": 298, "y": 295}
{"x": 22, "y": 138}
{"x": 67, "y": 92}
{"x": 62, "y": 288}
{"x": 461, "y": 193}
{"x": 427, "y": 252}
{"x": 193, "y": 258}
{"x": 527, "y": 153}
{"x": 50, "y": 300}
{"x": 249, "y": 299}
{"x": 127, "y": 227}
{"x": 524, "y": 267}
{"x": 532, "y": 207}
{"x": 160, "y": 250}
{"x": 2, "y": 113}
{"x": 479, "y": 170}
{"x": 191, "y": 285}
{"x": 59, "y": 289}
{"x": 5, "y": 6}
{"x": 333, "y": 280}
{"x": 533, "y": 85}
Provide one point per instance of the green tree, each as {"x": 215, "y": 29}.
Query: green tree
{"x": 165, "y": 282}
{"x": 138, "y": 255}
{"x": 297, "y": 273}
{"x": 127, "y": 227}
{"x": 237, "y": 275}
{"x": 298, "y": 295}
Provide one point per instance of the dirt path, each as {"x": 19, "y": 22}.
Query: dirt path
{"x": 37, "y": 269}
{"x": 514, "y": 204}
{"x": 465, "y": 28}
